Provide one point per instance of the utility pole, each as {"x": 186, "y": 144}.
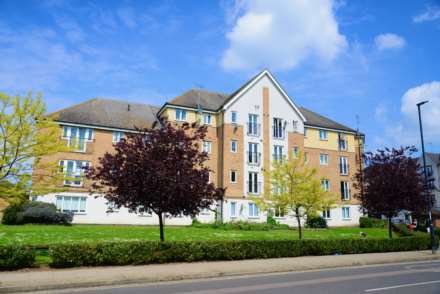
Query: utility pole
{"x": 431, "y": 225}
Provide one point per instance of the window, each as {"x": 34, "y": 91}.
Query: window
{"x": 295, "y": 125}
{"x": 207, "y": 145}
{"x": 180, "y": 114}
{"x": 233, "y": 211}
{"x": 278, "y": 128}
{"x": 234, "y": 145}
{"x": 253, "y": 126}
{"x": 323, "y": 159}
{"x": 253, "y": 154}
{"x": 295, "y": 152}
{"x": 429, "y": 170}
{"x": 207, "y": 119}
{"x": 71, "y": 204}
{"x": 205, "y": 211}
{"x": 326, "y": 214}
{"x": 343, "y": 165}
{"x": 306, "y": 157}
{"x": 117, "y": 136}
{"x": 234, "y": 117}
{"x": 345, "y": 212}
{"x": 325, "y": 184}
{"x": 277, "y": 153}
{"x": 279, "y": 212}
{"x": 233, "y": 176}
{"x": 345, "y": 190}
{"x": 305, "y": 132}
{"x": 253, "y": 210}
{"x": 253, "y": 184}
{"x": 342, "y": 142}
{"x": 111, "y": 207}
{"x": 76, "y": 137}
{"x": 322, "y": 135}
{"x": 74, "y": 171}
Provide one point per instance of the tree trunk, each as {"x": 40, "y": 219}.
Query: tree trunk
{"x": 162, "y": 238}
{"x": 298, "y": 219}
{"x": 390, "y": 228}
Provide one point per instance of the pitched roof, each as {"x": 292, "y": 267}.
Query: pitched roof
{"x": 316, "y": 120}
{"x": 109, "y": 113}
{"x": 200, "y": 97}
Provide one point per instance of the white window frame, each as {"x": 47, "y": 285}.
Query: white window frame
{"x": 345, "y": 190}
{"x": 347, "y": 209}
{"x": 235, "y": 175}
{"x": 253, "y": 183}
{"x": 278, "y": 152}
{"x": 207, "y": 147}
{"x": 207, "y": 119}
{"x": 77, "y": 171}
{"x": 343, "y": 165}
{"x": 233, "y": 209}
{"x": 325, "y": 184}
{"x": 180, "y": 114}
{"x": 234, "y": 117}
{"x": 295, "y": 151}
{"x": 253, "y": 210}
{"x": 64, "y": 203}
{"x": 117, "y": 136}
{"x": 278, "y": 128}
{"x": 323, "y": 135}
{"x": 321, "y": 157}
{"x": 326, "y": 214}
{"x": 234, "y": 146}
{"x": 76, "y": 138}
{"x": 342, "y": 138}
{"x": 111, "y": 206}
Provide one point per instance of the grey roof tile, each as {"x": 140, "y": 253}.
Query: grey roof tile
{"x": 316, "y": 120}
{"x": 109, "y": 113}
{"x": 200, "y": 97}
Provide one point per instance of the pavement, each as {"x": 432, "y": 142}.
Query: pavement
{"x": 62, "y": 279}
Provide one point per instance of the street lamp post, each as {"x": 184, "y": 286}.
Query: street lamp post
{"x": 431, "y": 226}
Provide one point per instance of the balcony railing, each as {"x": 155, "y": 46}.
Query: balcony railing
{"x": 342, "y": 145}
{"x": 344, "y": 169}
{"x": 74, "y": 179}
{"x": 253, "y": 158}
{"x": 253, "y": 129}
{"x": 278, "y": 157}
{"x": 254, "y": 188}
{"x": 278, "y": 133}
{"x": 77, "y": 144}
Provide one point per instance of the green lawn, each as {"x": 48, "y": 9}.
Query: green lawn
{"x": 50, "y": 234}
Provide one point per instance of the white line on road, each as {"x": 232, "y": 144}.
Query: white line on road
{"x": 403, "y": 286}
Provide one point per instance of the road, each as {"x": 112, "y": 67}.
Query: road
{"x": 402, "y": 278}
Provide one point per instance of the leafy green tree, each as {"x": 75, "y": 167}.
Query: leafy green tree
{"x": 295, "y": 188}
{"x": 26, "y": 135}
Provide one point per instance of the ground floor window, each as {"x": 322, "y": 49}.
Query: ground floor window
{"x": 326, "y": 214}
{"x": 346, "y": 212}
{"x": 253, "y": 210}
{"x": 233, "y": 211}
{"x": 71, "y": 204}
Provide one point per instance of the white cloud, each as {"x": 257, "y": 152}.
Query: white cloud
{"x": 282, "y": 34}
{"x": 431, "y": 111}
{"x": 430, "y": 14}
{"x": 389, "y": 41}
{"x": 381, "y": 112}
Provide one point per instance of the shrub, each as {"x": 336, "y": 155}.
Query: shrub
{"x": 145, "y": 252}
{"x": 241, "y": 225}
{"x": 271, "y": 220}
{"x": 402, "y": 230}
{"x": 370, "y": 222}
{"x": 35, "y": 212}
{"x": 316, "y": 222}
{"x": 15, "y": 257}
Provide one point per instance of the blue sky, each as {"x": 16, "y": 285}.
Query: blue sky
{"x": 371, "y": 59}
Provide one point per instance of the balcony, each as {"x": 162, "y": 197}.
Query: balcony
{"x": 254, "y": 158}
{"x": 253, "y": 129}
{"x": 76, "y": 144}
{"x": 343, "y": 169}
{"x": 253, "y": 188}
{"x": 278, "y": 157}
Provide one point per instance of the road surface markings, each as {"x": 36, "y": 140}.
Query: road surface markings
{"x": 403, "y": 286}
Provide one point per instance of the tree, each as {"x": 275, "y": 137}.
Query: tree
{"x": 392, "y": 181}
{"x": 160, "y": 170}
{"x": 26, "y": 135}
{"x": 296, "y": 188}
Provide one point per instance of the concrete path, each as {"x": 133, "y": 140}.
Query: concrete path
{"x": 45, "y": 279}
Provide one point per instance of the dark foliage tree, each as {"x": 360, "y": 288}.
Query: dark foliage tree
{"x": 392, "y": 181}
{"x": 160, "y": 170}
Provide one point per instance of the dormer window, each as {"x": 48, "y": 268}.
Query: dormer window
{"x": 180, "y": 114}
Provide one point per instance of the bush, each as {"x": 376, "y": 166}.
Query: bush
{"x": 370, "y": 222}
{"x": 35, "y": 212}
{"x": 145, "y": 252}
{"x": 402, "y": 230}
{"x": 13, "y": 215}
{"x": 15, "y": 257}
{"x": 241, "y": 225}
{"x": 316, "y": 222}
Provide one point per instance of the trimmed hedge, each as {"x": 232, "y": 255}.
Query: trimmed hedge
{"x": 241, "y": 225}
{"x": 145, "y": 252}
{"x": 15, "y": 257}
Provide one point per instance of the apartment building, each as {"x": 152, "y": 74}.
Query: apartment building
{"x": 247, "y": 130}
{"x": 433, "y": 173}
